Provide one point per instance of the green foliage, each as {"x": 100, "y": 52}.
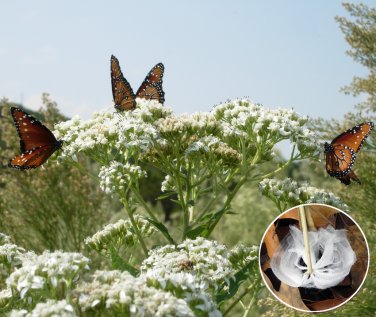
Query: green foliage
{"x": 360, "y": 34}
{"x": 57, "y": 206}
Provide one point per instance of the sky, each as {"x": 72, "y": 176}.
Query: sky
{"x": 279, "y": 53}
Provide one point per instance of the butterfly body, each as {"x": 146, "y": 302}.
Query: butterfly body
{"x": 150, "y": 89}
{"x": 37, "y": 142}
{"x": 340, "y": 154}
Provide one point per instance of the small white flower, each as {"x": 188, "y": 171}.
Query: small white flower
{"x": 49, "y": 268}
{"x": 118, "y": 175}
{"x": 167, "y": 184}
{"x": 51, "y": 308}
{"x": 193, "y": 264}
{"x": 290, "y": 191}
{"x": 119, "y": 292}
{"x": 120, "y": 233}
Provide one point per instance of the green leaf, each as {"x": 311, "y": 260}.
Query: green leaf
{"x": 177, "y": 202}
{"x": 118, "y": 263}
{"x": 213, "y": 221}
{"x": 203, "y": 229}
{"x": 205, "y": 190}
{"x": 165, "y": 195}
{"x": 162, "y": 228}
{"x": 196, "y": 231}
{"x": 244, "y": 273}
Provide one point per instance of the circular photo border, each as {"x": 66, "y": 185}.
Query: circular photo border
{"x": 263, "y": 275}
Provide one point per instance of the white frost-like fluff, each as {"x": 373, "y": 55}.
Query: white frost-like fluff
{"x": 331, "y": 255}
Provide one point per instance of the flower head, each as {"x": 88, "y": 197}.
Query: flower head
{"x": 51, "y": 308}
{"x": 291, "y": 192}
{"x": 118, "y": 176}
{"x": 119, "y": 234}
{"x": 118, "y": 293}
{"x": 193, "y": 264}
{"x": 49, "y": 270}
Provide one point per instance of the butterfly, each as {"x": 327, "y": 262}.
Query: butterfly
{"x": 340, "y": 154}
{"x": 150, "y": 89}
{"x": 36, "y": 141}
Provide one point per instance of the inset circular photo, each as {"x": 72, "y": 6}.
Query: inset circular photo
{"x": 314, "y": 258}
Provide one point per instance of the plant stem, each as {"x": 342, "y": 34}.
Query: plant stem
{"x": 205, "y": 210}
{"x": 227, "y": 204}
{"x": 251, "y": 303}
{"x": 131, "y": 218}
{"x": 141, "y": 200}
{"x": 303, "y": 222}
{"x": 287, "y": 163}
{"x": 240, "y": 297}
{"x": 231, "y": 195}
{"x": 189, "y": 194}
{"x": 182, "y": 201}
{"x": 84, "y": 170}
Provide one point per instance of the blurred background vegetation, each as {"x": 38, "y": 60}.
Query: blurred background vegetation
{"x": 57, "y": 206}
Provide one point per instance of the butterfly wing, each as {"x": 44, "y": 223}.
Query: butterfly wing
{"x": 33, "y": 158}
{"x": 354, "y": 137}
{"x": 32, "y": 133}
{"x": 347, "y": 178}
{"x": 122, "y": 91}
{"x": 151, "y": 88}
{"x": 339, "y": 161}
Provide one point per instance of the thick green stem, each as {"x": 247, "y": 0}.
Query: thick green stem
{"x": 131, "y": 218}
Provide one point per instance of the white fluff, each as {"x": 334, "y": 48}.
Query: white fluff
{"x": 337, "y": 258}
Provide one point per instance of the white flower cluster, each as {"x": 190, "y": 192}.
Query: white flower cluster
{"x": 120, "y": 233}
{"x": 49, "y": 270}
{"x": 5, "y": 297}
{"x": 212, "y": 144}
{"x": 241, "y": 117}
{"x": 289, "y": 191}
{"x": 118, "y": 175}
{"x": 168, "y": 184}
{"x": 51, "y": 308}
{"x": 11, "y": 257}
{"x": 307, "y": 141}
{"x": 113, "y": 130}
{"x": 153, "y": 133}
{"x": 198, "y": 123}
{"x": 241, "y": 255}
{"x": 119, "y": 293}
{"x": 151, "y": 110}
{"x": 4, "y": 239}
{"x": 150, "y": 123}
{"x": 193, "y": 264}
{"x": 83, "y": 135}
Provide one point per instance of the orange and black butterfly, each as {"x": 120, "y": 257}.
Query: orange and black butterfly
{"x": 150, "y": 89}
{"x": 340, "y": 154}
{"x": 36, "y": 141}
